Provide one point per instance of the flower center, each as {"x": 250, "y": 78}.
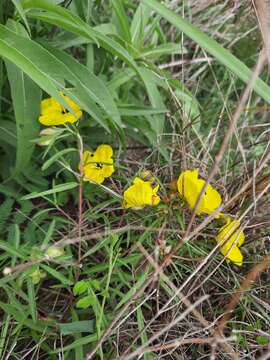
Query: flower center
{"x": 99, "y": 165}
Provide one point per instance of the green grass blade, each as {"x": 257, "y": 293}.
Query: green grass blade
{"x": 63, "y": 18}
{"x": 20, "y": 10}
{"x": 33, "y": 60}
{"x": 57, "y": 275}
{"x": 156, "y": 121}
{"x": 31, "y": 299}
{"x": 123, "y": 24}
{"x": 26, "y": 96}
{"x": 54, "y": 190}
{"x": 211, "y": 46}
{"x": 83, "y": 326}
{"x": 90, "y": 85}
{"x": 138, "y": 24}
{"x": 14, "y": 240}
{"x": 19, "y": 253}
{"x": 56, "y": 156}
{"x": 164, "y": 49}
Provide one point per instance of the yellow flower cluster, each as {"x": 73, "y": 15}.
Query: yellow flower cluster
{"x": 230, "y": 237}
{"x": 99, "y": 165}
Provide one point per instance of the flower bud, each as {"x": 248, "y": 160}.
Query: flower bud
{"x": 48, "y": 136}
{"x": 54, "y": 251}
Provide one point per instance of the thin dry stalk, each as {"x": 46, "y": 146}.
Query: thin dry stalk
{"x": 262, "y": 8}
{"x": 140, "y": 351}
{"x": 247, "y": 186}
{"x": 223, "y": 147}
{"x": 245, "y": 286}
{"x": 177, "y": 292}
{"x": 118, "y": 316}
{"x": 180, "y": 342}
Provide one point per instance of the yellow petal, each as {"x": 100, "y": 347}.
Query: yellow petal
{"x": 50, "y": 105}
{"x": 52, "y": 119}
{"x": 52, "y": 113}
{"x": 140, "y": 194}
{"x": 98, "y": 165}
{"x": 231, "y": 237}
{"x": 212, "y": 200}
{"x": 189, "y": 186}
{"x": 233, "y": 254}
{"x": 231, "y": 233}
{"x": 94, "y": 175}
{"x": 104, "y": 153}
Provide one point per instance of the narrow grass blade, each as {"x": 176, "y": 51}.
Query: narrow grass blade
{"x": 211, "y": 46}
{"x": 26, "y": 96}
{"x": 54, "y": 190}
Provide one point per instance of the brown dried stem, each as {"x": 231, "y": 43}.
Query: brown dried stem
{"x": 245, "y": 286}
{"x": 223, "y": 147}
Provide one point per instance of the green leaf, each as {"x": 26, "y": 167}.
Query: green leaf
{"x": 140, "y": 111}
{"x": 141, "y": 328}
{"x": 56, "y": 156}
{"x": 156, "y": 121}
{"x": 262, "y": 340}
{"x": 123, "y": 24}
{"x": 4, "y": 333}
{"x": 120, "y": 78}
{"x": 57, "y": 275}
{"x": 19, "y": 253}
{"x": 32, "y": 299}
{"x": 63, "y": 18}
{"x": 211, "y": 46}
{"x": 20, "y": 10}
{"x": 35, "y": 61}
{"x": 96, "y": 284}
{"x": 85, "y": 302}
{"x": 138, "y": 24}
{"x": 26, "y": 96}
{"x": 164, "y": 49}
{"x": 54, "y": 190}
{"x": 51, "y": 73}
{"x": 49, "y": 234}
{"x": 84, "y": 326}
{"x": 8, "y": 191}
{"x": 80, "y": 287}
{"x": 14, "y": 240}
{"x": 79, "y": 350}
{"x": 90, "y": 87}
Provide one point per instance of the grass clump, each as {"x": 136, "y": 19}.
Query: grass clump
{"x": 134, "y": 217}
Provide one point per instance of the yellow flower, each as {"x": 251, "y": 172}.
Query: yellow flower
{"x": 53, "y": 113}
{"x": 140, "y": 194}
{"x": 189, "y": 186}
{"x": 231, "y": 237}
{"x": 98, "y": 165}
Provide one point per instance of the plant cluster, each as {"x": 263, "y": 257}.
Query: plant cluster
{"x": 112, "y": 114}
